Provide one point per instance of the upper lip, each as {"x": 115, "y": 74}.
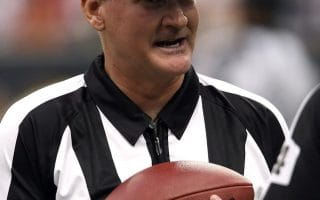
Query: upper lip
{"x": 170, "y": 37}
{"x": 178, "y": 39}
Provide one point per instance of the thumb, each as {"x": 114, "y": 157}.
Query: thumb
{"x": 215, "y": 197}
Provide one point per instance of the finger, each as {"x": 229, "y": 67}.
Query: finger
{"x": 215, "y": 197}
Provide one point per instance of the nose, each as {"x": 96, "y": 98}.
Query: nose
{"x": 175, "y": 16}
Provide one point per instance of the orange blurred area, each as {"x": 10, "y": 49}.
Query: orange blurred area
{"x": 42, "y": 25}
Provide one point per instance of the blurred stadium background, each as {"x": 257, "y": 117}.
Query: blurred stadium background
{"x": 271, "y": 47}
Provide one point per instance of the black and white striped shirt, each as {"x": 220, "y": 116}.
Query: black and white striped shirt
{"x": 80, "y": 138}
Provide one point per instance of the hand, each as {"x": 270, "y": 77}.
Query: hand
{"x": 215, "y": 197}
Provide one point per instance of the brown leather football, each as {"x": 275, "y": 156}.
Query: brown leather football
{"x": 184, "y": 180}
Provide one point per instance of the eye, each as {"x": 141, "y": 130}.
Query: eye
{"x": 155, "y": 3}
{"x": 185, "y": 3}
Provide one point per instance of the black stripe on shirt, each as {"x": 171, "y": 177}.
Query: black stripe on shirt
{"x": 226, "y": 135}
{"x": 92, "y": 150}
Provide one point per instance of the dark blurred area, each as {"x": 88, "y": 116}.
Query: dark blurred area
{"x": 268, "y": 47}
{"x": 45, "y": 41}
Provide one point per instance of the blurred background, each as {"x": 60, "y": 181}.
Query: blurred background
{"x": 270, "y": 47}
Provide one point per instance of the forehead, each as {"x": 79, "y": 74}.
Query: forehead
{"x": 159, "y": 2}
{"x": 148, "y": 7}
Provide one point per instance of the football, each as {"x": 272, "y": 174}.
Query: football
{"x": 184, "y": 180}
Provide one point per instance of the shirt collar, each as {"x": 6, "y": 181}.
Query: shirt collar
{"x": 127, "y": 117}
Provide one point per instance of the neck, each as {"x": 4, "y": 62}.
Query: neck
{"x": 150, "y": 94}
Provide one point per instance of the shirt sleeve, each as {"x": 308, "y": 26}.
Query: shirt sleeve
{"x": 21, "y": 174}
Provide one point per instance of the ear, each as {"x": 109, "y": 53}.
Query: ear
{"x": 91, "y": 11}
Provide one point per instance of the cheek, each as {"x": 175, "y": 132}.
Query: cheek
{"x": 144, "y": 21}
{"x": 141, "y": 31}
{"x": 193, "y": 21}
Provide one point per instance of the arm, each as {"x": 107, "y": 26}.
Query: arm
{"x": 21, "y": 174}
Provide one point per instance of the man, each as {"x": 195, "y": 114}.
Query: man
{"x": 139, "y": 104}
{"x": 296, "y": 174}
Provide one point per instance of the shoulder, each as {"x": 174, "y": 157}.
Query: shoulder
{"x": 306, "y": 124}
{"x": 37, "y": 111}
{"x": 33, "y": 126}
{"x": 261, "y": 119}
{"x": 299, "y": 158}
{"x": 18, "y": 111}
{"x": 308, "y": 114}
{"x": 32, "y": 121}
{"x": 247, "y": 104}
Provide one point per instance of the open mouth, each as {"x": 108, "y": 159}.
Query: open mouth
{"x": 170, "y": 43}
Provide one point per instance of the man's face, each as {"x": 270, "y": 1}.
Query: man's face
{"x": 149, "y": 36}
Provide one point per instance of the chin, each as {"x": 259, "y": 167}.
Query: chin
{"x": 176, "y": 69}
{"x": 175, "y": 66}
{"x": 181, "y": 68}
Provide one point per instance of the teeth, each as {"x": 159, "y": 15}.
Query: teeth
{"x": 174, "y": 46}
{"x": 177, "y": 44}
{"x": 170, "y": 44}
